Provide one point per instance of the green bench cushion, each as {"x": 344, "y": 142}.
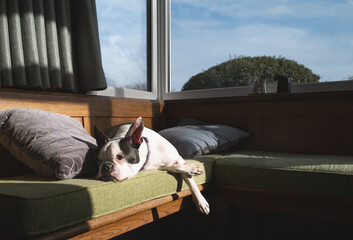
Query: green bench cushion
{"x": 32, "y": 205}
{"x": 322, "y": 174}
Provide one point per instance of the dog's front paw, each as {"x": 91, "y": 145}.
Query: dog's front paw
{"x": 193, "y": 169}
{"x": 202, "y": 205}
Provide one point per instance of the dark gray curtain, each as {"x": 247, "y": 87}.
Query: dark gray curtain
{"x": 50, "y": 45}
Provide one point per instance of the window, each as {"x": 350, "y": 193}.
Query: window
{"x": 163, "y": 49}
{"x": 225, "y": 43}
{"x": 125, "y": 39}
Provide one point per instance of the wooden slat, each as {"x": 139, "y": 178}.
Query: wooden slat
{"x": 79, "y": 104}
{"x": 105, "y": 123}
{"x": 130, "y": 223}
{"x": 324, "y": 134}
{"x": 89, "y": 123}
{"x": 269, "y": 104}
{"x": 80, "y": 119}
{"x": 319, "y": 123}
{"x": 117, "y": 223}
{"x": 10, "y": 166}
{"x": 332, "y": 208}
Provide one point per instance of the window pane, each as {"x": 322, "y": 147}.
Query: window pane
{"x": 228, "y": 43}
{"x": 123, "y": 39}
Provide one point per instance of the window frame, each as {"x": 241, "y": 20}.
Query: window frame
{"x": 151, "y": 38}
{"x": 234, "y": 91}
{"x": 159, "y": 68}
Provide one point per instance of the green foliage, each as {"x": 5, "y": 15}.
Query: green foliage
{"x": 242, "y": 71}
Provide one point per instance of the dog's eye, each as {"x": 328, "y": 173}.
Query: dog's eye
{"x": 119, "y": 157}
{"x": 99, "y": 162}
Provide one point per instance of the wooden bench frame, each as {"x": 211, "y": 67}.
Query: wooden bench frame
{"x": 283, "y": 122}
{"x": 325, "y": 207}
{"x": 120, "y": 222}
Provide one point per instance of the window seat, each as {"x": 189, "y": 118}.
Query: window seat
{"x": 46, "y": 205}
{"x": 38, "y": 201}
{"x": 320, "y": 174}
{"x": 311, "y": 185}
{"x": 303, "y": 123}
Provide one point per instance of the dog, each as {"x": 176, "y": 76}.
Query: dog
{"x": 259, "y": 85}
{"x": 126, "y": 149}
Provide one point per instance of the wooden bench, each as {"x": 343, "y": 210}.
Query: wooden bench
{"x": 103, "y": 112}
{"x": 305, "y": 123}
{"x": 315, "y": 123}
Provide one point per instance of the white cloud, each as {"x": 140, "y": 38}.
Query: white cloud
{"x": 213, "y": 30}
{"x": 298, "y": 31}
{"x": 280, "y": 10}
{"x": 123, "y": 63}
{"x": 122, "y": 26}
{"x": 328, "y": 57}
{"x": 244, "y": 9}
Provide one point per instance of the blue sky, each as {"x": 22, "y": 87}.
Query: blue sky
{"x": 122, "y": 27}
{"x": 316, "y": 33}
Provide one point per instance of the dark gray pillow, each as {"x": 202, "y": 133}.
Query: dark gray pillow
{"x": 197, "y": 140}
{"x": 51, "y": 144}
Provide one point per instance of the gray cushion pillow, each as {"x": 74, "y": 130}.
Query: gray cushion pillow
{"x": 51, "y": 144}
{"x": 194, "y": 140}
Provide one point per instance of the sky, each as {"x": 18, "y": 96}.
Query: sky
{"x": 122, "y": 33}
{"x": 315, "y": 33}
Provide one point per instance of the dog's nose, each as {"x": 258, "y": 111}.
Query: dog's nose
{"x": 108, "y": 166}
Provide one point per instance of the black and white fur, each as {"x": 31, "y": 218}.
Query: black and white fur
{"x": 123, "y": 153}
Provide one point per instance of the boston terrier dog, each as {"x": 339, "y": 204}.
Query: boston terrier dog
{"x": 126, "y": 149}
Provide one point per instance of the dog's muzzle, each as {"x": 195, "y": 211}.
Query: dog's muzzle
{"x": 107, "y": 173}
{"x": 109, "y": 179}
{"x": 106, "y": 170}
{"x": 107, "y": 167}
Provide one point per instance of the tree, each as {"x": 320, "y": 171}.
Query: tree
{"x": 349, "y": 78}
{"x": 242, "y": 71}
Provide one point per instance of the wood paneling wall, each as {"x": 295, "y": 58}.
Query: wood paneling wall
{"x": 318, "y": 123}
{"x": 89, "y": 110}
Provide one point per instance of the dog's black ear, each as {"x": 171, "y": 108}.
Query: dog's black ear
{"x": 101, "y": 138}
{"x": 135, "y": 132}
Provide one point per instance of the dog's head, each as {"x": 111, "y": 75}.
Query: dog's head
{"x": 118, "y": 157}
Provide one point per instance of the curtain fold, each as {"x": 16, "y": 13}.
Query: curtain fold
{"x": 50, "y": 45}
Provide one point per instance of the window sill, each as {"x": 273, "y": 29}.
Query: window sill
{"x": 224, "y": 92}
{"x": 245, "y": 91}
{"x": 126, "y": 93}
